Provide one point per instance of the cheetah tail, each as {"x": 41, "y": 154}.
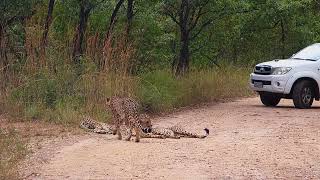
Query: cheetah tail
{"x": 207, "y": 131}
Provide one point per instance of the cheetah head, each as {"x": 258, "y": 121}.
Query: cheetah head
{"x": 145, "y": 122}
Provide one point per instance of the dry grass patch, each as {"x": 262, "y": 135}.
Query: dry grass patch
{"x": 12, "y": 151}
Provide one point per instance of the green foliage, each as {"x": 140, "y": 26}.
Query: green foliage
{"x": 240, "y": 34}
{"x": 11, "y": 9}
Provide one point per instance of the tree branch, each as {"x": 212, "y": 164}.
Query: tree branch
{"x": 171, "y": 14}
{"x": 202, "y": 27}
{"x": 199, "y": 14}
{"x": 212, "y": 59}
{"x": 113, "y": 17}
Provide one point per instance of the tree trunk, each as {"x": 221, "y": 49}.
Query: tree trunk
{"x": 184, "y": 55}
{"x": 3, "y": 57}
{"x": 107, "y": 42}
{"x": 129, "y": 17}
{"x": 3, "y": 49}
{"x": 183, "y": 64}
{"x": 81, "y": 29}
{"x": 1, "y": 34}
{"x": 44, "y": 40}
{"x": 113, "y": 18}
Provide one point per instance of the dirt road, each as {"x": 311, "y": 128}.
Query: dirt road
{"x": 247, "y": 141}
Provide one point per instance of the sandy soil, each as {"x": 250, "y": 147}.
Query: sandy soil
{"x": 247, "y": 141}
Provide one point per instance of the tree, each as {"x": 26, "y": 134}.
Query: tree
{"x": 113, "y": 18}
{"x": 130, "y": 14}
{"x": 12, "y": 13}
{"x": 187, "y": 14}
{"x": 280, "y": 24}
{"x": 85, "y": 9}
{"x": 48, "y": 21}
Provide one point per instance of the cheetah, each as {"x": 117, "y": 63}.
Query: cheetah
{"x": 174, "y": 132}
{"x": 91, "y": 125}
{"x": 126, "y": 111}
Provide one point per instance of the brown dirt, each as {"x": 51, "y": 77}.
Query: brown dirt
{"x": 247, "y": 141}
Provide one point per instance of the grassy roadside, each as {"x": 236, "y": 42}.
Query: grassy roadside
{"x": 63, "y": 97}
{"x": 12, "y": 150}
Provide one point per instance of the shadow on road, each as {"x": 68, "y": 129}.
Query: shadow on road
{"x": 282, "y": 107}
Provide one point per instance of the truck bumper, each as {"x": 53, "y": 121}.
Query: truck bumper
{"x": 271, "y": 83}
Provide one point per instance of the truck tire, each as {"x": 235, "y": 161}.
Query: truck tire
{"x": 303, "y": 94}
{"x": 269, "y": 99}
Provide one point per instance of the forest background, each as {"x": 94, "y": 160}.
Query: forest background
{"x": 60, "y": 59}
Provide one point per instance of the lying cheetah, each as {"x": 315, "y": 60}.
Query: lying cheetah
{"x": 176, "y": 132}
{"x": 126, "y": 110}
{"x": 91, "y": 125}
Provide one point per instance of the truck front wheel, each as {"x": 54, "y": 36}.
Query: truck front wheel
{"x": 303, "y": 94}
{"x": 269, "y": 99}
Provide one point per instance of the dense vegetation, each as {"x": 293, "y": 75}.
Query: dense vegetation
{"x": 61, "y": 58}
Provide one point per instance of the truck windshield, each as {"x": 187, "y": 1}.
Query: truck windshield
{"x": 311, "y": 53}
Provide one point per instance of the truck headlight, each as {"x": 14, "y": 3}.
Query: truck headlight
{"x": 281, "y": 70}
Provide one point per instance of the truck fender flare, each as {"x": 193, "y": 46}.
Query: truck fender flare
{"x": 298, "y": 76}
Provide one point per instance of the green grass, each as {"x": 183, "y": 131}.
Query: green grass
{"x": 160, "y": 91}
{"x": 12, "y": 150}
{"x": 63, "y": 97}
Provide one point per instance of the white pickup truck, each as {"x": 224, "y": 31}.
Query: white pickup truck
{"x": 296, "y": 78}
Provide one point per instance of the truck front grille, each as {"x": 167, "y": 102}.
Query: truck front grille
{"x": 263, "y": 70}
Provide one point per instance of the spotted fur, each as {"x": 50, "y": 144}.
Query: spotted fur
{"x": 126, "y": 111}
{"x": 91, "y": 125}
{"x": 176, "y": 132}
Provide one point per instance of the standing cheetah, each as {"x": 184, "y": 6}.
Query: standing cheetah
{"x": 127, "y": 110}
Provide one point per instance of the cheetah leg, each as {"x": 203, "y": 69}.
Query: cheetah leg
{"x": 129, "y": 135}
{"x": 137, "y": 130}
{"x": 118, "y": 131}
{"x": 116, "y": 123}
{"x": 119, "y": 134}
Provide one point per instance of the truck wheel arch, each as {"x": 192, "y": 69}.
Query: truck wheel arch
{"x": 314, "y": 82}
